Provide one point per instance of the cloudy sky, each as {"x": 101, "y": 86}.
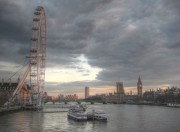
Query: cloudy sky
{"x": 96, "y": 43}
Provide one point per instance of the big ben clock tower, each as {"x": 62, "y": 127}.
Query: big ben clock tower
{"x": 139, "y": 87}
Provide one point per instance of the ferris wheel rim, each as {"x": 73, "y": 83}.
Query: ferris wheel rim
{"x": 38, "y": 51}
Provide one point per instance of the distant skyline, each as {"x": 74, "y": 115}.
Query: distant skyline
{"x": 96, "y": 43}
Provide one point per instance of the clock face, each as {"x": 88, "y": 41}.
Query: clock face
{"x": 140, "y": 85}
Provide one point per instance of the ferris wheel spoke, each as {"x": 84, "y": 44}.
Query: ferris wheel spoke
{"x": 37, "y": 55}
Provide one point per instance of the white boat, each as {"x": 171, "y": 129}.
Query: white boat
{"x": 97, "y": 115}
{"x": 77, "y": 114}
{"x": 173, "y": 105}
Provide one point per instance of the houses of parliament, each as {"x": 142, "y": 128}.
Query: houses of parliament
{"x": 119, "y": 95}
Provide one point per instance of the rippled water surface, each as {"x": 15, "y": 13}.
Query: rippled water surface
{"x": 122, "y": 118}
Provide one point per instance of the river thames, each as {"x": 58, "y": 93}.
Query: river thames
{"x": 122, "y": 118}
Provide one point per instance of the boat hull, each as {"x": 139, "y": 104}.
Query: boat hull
{"x": 101, "y": 119}
{"x": 77, "y": 118}
{"x": 90, "y": 117}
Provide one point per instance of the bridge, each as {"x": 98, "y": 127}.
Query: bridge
{"x": 31, "y": 96}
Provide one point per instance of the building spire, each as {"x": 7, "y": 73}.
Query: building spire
{"x": 139, "y": 87}
{"x": 139, "y": 80}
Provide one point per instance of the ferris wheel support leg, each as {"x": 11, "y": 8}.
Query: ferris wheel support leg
{"x": 19, "y": 87}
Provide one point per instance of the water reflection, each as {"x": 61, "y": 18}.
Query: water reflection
{"x": 122, "y": 118}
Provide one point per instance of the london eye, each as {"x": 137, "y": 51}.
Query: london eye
{"x": 37, "y": 56}
{"x": 37, "y": 62}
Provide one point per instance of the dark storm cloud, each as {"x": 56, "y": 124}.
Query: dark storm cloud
{"x": 70, "y": 28}
{"x": 124, "y": 38}
{"x": 138, "y": 44}
{"x": 14, "y": 31}
{"x": 15, "y": 21}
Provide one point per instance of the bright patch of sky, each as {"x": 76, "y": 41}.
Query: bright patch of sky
{"x": 79, "y": 71}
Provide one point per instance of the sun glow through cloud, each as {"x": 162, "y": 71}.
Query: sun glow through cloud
{"x": 79, "y": 71}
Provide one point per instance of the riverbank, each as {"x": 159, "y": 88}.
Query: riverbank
{"x": 6, "y": 110}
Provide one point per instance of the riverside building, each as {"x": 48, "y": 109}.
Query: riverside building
{"x": 118, "y": 96}
{"x": 7, "y": 89}
{"x": 86, "y": 92}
